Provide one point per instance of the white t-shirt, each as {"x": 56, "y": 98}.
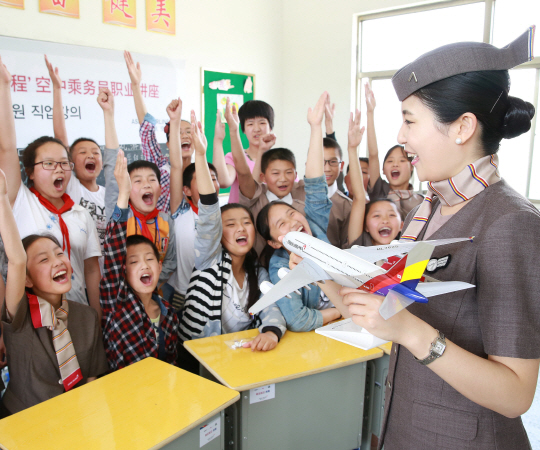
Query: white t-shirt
{"x": 233, "y": 315}
{"x": 185, "y": 221}
{"x": 32, "y": 217}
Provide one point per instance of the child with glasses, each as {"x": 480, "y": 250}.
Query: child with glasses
{"x": 45, "y": 205}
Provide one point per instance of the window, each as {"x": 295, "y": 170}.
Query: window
{"x": 389, "y": 40}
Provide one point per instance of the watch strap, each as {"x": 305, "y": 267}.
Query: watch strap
{"x": 438, "y": 346}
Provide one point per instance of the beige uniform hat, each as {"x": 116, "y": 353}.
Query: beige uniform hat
{"x": 461, "y": 57}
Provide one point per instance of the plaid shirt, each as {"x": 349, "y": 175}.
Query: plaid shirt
{"x": 152, "y": 152}
{"x": 128, "y": 335}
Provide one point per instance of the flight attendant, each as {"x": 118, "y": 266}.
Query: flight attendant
{"x": 464, "y": 367}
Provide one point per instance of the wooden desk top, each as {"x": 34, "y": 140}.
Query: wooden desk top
{"x": 143, "y": 406}
{"x": 297, "y": 355}
{"x": 386, "y": 348}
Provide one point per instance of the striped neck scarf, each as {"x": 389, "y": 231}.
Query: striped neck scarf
{"x": 472, "y": 180}
{"x": 44, "y": 315}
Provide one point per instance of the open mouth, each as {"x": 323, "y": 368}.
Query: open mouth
{"x": 301, "y": 229}
{"x": 395, "y": 174}
{"x": 90, "y": 166}
{"x": 148, "y": 198}
{"x": 242, "y": 240}
{"x": 415, "y": 158}
{"x": 283, "y": 188}
{"x": 186, "y": 146}
{"x": 60, "y": 277}
{"x": 59, "y": 183}
{"x": 146, "y": 279}
{"x": 385, "y": 231}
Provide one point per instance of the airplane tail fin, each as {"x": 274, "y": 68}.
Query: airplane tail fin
{"x": 409, "y": 269}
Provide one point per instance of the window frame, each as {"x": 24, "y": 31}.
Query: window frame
{"x": 489, "y": 8}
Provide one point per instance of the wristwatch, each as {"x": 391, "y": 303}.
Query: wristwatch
{"x": 438, "y": 346}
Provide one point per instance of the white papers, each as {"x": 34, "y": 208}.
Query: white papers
{"x": 348, "y": 332}
{"x": 262, "y": 393}
{"x": 210, "y": 431}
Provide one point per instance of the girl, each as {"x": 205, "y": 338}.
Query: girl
{"x": 396, "y": 167}
{"x": 464, "y": 367}
{"x": 43, "y": 365}
{"x": 310, "y": 309}
{"x": 226, "y": 279}
{"x": 46, "y": 206}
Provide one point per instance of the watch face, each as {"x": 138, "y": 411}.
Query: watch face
{"x": 439, "y": 347}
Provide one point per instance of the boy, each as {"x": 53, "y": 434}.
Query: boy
{"x": 144, "y": 217}
{"x": 364, "y": 166}
{"x": 132, "y": 271}
{"x": 338, "y": 224}
{"x": 257, "y": 122}
{"x": 149, "y": 144}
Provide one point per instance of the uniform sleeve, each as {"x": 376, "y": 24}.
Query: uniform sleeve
{"x": 208, "y": 233}
{"x": 169, "y": 262}
{"x": 251, "y": 202}
{"x": 508, "y": 286}
{"x": 318, "y": 205}
{"x": 271, "y": 317}
{"x": 380, "y": 189}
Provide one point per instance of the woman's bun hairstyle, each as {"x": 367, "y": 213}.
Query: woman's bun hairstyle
{"x": 518, "y": 117}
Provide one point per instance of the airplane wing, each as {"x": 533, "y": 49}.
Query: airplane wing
{"x": 376, "y": 253}
{"x": 304, "y": 273}
{"x": 441, "y": 287}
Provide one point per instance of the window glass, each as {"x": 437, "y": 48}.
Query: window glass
{"x": 512, "y": 18}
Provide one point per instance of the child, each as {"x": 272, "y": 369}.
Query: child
{"x": 397, "y": 168}
{"x": 256, "y": 121}
{"x": 137, "y": 322}
{"x": 42, "y": 364}
{"x": 150, "y": 146}
{"x": 46, "y": 205}
{"x": 338, "y": 223}
{"x": 310, "y": 309}
{"x": 144, "y": 217}
{"x": 225, "y": 283}
{"x": 364, "y": 167}
{"x": 185, "y": 211}
{"x": 86, "y": 156}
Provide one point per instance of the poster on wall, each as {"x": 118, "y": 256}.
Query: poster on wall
{"x": 68, "y": 8}
{"x": 19, "y": 4}
{"x": 120, "y": 12}
{"x": 83, "y": 71}
{"x": 161, "y": 16}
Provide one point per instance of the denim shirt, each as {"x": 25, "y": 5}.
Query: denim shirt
{"x": 301, "y": 311}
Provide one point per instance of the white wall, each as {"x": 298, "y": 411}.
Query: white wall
{"x": 233, "y": 35}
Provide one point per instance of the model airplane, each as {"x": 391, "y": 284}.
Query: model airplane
{"x": 401, "y": 285}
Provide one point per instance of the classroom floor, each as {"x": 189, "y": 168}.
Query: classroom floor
{"x": 531, "y": 420}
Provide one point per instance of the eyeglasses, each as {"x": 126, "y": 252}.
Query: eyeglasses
{"x": 52, "y": 165}
{"x": 332, "y": 162}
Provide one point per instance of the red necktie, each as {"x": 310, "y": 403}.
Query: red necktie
{"x": 142, "y": 221}
{"x": 193, "y": 207}
{"x": 68, "y": 204}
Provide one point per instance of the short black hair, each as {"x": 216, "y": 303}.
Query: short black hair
{"x": 256, "y": 108}
{"x": 282, "y": 154}
{"x": 187, "y": 176}
{"x": 332, "y": 143}
{"x": 410, "y": 158}
{"x": 143, "y": 164}
{"x": 378, "y": 200}
{"x": 136, "y": 239}
{"x": 81, "y": 139}
{"x": 361, "y": 159}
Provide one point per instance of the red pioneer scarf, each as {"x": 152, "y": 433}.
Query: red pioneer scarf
{"x": 142, "y": 221}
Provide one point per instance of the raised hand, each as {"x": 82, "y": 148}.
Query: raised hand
{"x": 134, "y": 70}
{"x": 5, "y": 76}
{"x": 105, "y": 99}
{"x": 219, "y": 132}
{"x": 315, "y": 115}
{"x": 197, "y": 135}
{"x": 355, "y": 132}
{"x": 231, "y": 115}
{"x": 53, "y": 73}
{"x": 329, "y": 111}
{"x": 174, "y": 110}
{"x": 267, "y": 142}
{"x": 370, "y": 98}
{"x": 122, "y": 178}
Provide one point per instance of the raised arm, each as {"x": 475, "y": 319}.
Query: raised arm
{"x": 59, "y": 120}
{"x": 135, "y": 74}
{"x": 373, "y": 150}
{"x": 356, "y": 218}
{"x": 14, "y": 249}
{"x": 315, "y": 157}
{"x": 9, "y": 159}
{"x": 205, "y": 185}
{"x": 174, "y": 110}
{"x": 267, "y": 142}
{"x": 245, "y": 179}
{"x": 329, "y": 111}
{"x": 225, "y": 172}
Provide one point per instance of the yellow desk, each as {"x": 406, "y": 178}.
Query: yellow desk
{"x": 386, "y": 348}
{"x": 144, "y": 406}
{"x": 319, "y": 395}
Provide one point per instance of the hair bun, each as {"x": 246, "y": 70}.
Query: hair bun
{"x": 517, "y": 119}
